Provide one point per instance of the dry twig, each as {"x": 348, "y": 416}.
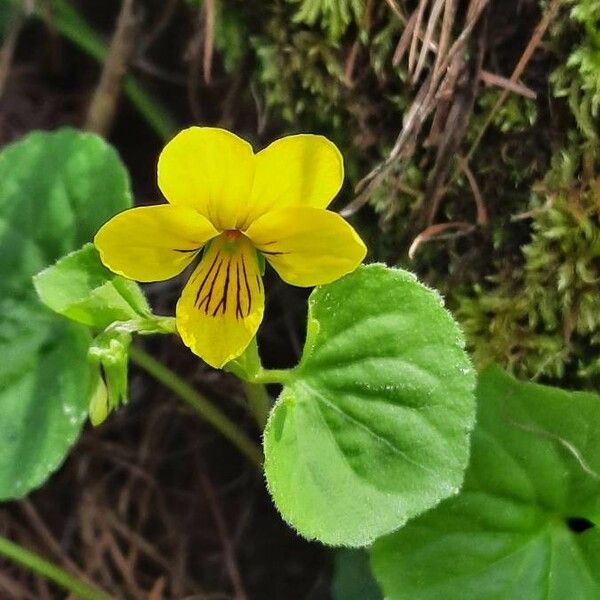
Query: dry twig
{"x": 423, "y": 106}
{"x": 534, "y": 42}
{"x": 209, "y": 39}
{"x": 440, "y": 231}
{"x": 103, "y": 106}
{"x": 482, "y": 213}
{"x": 506, "y": 84}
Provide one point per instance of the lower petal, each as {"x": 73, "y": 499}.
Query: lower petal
{"x": 152, "y": 243}
{"x": 307, "y": 246}
{"x": 222, "y": 305}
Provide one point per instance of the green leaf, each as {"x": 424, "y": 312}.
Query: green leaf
{"x": 56, "y": 189}
{"x": 352, "y": 579}
{"x": 373, "y": 427}
{"x": 81, "y": 288}
{"x": 43, "y": 409}
{"x": 521, "y": 529}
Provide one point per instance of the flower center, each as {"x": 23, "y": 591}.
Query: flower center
{"x": 232, "y": 235}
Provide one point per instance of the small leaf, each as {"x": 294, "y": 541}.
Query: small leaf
{"x": 374, "y": 427}
{"x": 524, "y": 525}
{"x": 43, "y": 405}
{"x": 81, "y": 288}
{"x": 110, "y": 350}
{"x": 56, "y": 189}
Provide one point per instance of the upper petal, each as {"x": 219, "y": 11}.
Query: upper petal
{"x": 152, "y": 243}
{"x": 306, "y": 245}
{"x": 306, "y": 170}
{"x": 222, "y": 305}
{"x": 210, "y": 170}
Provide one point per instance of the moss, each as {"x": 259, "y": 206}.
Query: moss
{"x": 542, "y": 317}
{"x": 516, "y": 115}
{"x": 333, "y": 16}
{"x": 300, "y": 74}
{"x": 524, "y": 289}
{"x": 577, "y": 78}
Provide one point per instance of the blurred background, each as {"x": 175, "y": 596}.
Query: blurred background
{"x": 469, "y": 133}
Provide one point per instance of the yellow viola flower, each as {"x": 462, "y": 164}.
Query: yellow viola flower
{"x": 233, "y": 203}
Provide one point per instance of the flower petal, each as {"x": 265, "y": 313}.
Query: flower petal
{"x": 152, "y": 243}
{"x": 306, "y": 170}
{"x": 210, "y": 170}
{"x": 222, "y": 305}
{"x": 307, "y": 246}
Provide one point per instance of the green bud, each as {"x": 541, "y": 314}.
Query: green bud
{"x": 110, "y": 350}
{"x": 99, "y": 405}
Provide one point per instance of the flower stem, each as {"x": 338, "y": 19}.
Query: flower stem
{"x": 259, "y": 402}
{"x": 50, "y": 571}
{"x": 206, "y": 409}
{"x": 282, "y": 376}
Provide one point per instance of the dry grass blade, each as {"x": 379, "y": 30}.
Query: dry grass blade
{"x": 461, "y": 40}
{"x": 423, "y": 106}
{"x": 434, "y": 16}
{"x": 534, "y": 42}
{"x": 506, "y": 84}
{"x": 49, "y": 540}
{"x": 135, "y": 539}
{"x": 412, "y": 55}
{"x": 466, "y": 69}
{"x": 14, "y": 589}
{"x": 413, "y": 122}
{"x": 158, "y": 590}
{"x": 440, "y": 231}
{"x": 405, "y": 40}
{"x": 397, "y": 10}
{"x": 103, "y": 106}
{"x": 444, "y": 41}
{"x": 209, "y": 38}
{"x": 228, "y": 550}
{"x": 482, "y": 213}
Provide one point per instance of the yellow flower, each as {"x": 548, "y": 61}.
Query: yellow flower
{"x": 220, "y": 192}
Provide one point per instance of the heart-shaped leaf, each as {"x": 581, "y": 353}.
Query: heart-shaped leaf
{"x": 524, "y": 525}
{"x": 373, "y": 427}
{"x": 56, "y": 189}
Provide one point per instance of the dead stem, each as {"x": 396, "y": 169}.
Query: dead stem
{"x": 102, "y": 108}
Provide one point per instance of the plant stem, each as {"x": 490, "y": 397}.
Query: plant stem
{"x": 199, "y": 403}
{"x": 273, "y": 376}
{"x": 50, "y": 571}
{"x": 259, "y": 402}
